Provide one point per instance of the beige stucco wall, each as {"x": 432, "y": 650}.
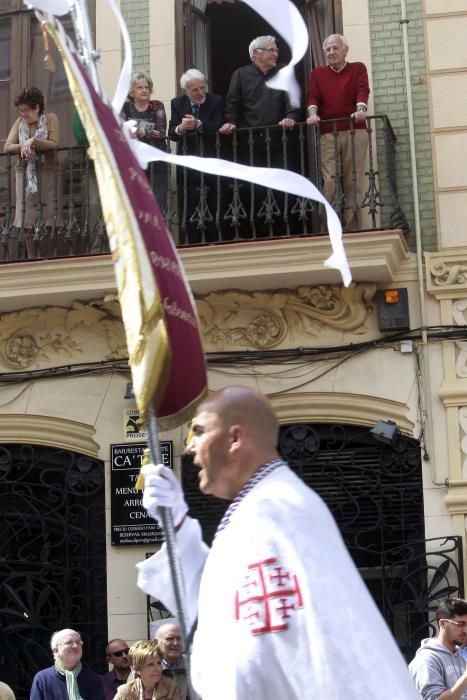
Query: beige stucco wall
{"x": 357, "y": 31}
{"x": 380, "y": 383}
{"x": 446, "y": 32}
{"x": 161, "y": 49}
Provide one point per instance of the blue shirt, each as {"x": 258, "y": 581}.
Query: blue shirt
{"x": 51, "y": 685}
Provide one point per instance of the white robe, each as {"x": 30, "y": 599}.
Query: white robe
{"x": 282, "y": 611}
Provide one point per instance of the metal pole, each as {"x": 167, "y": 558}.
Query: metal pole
{"x": 166, "y": 520}
{"x": 425, "y": 373}
{"x": 80, "y": 18}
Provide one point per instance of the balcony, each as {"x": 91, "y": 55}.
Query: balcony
{"x": 230, "y": 233}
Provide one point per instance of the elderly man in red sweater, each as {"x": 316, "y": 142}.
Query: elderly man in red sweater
{"x": 336, "y": 91}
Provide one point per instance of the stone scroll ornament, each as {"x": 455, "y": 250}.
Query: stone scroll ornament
{"x": 285, "y": 18}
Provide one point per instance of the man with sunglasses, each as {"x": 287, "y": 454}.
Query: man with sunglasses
{"x": 116, "y": 653}
{"x": 438, "y": 669}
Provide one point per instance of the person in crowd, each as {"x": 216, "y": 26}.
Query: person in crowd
{"x": 90, "y": 202}
{"x": 340, "y": 91}
{"x": 195, "y": 119}
{"x": 6, "y": 692}
{"x": 169, "y": 638}
{"x": 278, "y": 580}
{"x": 439, "y": 669}
{"x": 151, "y": 125}
{"x": 251, "y": 103}
{"x": 34, "y": 137}
{"x": 116, "y": 653}
{"x": 150, "y": 684}
{"x": 68, "y": 678}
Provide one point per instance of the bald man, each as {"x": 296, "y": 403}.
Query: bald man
{"x": 116, "y": 653}
{"x": 68, "y": 678}
{"x": 277, "y": 592}
{"x": 169, "y": 638}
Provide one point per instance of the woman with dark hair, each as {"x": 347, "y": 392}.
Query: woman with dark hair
{"x": 33, "y": 133}
{"x": 151, "y": 125}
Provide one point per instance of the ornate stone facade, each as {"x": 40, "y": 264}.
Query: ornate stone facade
{"x": 42, "y": 337}
{"x": 235, "y": 319}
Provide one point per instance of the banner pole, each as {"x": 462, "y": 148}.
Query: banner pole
{"x": 166, "y": 520}
{"x": 80, "y": 18}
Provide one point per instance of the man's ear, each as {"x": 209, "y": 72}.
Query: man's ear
{"x": 235, "y": 436}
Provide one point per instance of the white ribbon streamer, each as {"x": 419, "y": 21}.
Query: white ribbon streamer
{"x": 286, "y": 19}
{"x": 274, "y": 178}
{"x": 123, "y": 86}
{"x": 53, "y": 7}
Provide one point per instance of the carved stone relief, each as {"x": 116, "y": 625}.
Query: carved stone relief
{"x": 41, "y": 336}
{"x": 264, "y": 320}
{"x": 448, "y": 272}
{"x": 459, "y": 308}
{"x": 463, "y": 438}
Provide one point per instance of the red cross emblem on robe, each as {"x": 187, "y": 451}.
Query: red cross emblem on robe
{"x": 269, "y": 596}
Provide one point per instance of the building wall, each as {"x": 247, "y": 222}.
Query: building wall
{"x": 446, "y": 31}
{"x": 136, "y": 15}
{"x": 445, "y": 25}
{"x": 379, "y": 383}
{"x": 356, "y": 390}
{"x": 389, "y": 88}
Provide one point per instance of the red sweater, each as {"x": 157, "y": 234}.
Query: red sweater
{"x": 336, "y": 94}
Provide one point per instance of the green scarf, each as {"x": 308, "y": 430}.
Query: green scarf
{"x": 70, "y": 678}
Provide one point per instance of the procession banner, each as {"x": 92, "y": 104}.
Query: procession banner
{"x": 164, "y": 344}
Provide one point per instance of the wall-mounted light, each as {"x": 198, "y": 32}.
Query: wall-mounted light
{"x": 385, "y": 431}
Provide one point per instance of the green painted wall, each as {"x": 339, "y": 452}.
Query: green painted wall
{"x": 389, "y": 92}
{"x": 136, "y": 14}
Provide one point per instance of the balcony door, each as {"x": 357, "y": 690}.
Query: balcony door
{"x": 213, "y": 36}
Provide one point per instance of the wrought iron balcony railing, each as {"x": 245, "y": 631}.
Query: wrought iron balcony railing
{"x": 199, "y": 208}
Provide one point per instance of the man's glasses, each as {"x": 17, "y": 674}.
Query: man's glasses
{"x": 260, "y": 48}
{"x": 72, "y": 643}
{"x": 120, "y": 653}
{"x": 459, "y": 623}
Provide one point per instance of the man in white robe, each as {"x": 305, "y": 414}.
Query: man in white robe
{"x": 282, "y": 610}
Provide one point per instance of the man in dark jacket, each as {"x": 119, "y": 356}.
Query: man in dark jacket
{"x": 251, "y": 103}
{"x": 67, "y": 678}
{"x": 195, "y": 119}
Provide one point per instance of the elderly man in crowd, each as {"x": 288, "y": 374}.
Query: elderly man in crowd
{"x": 116, "y": 653}
{"x": 68, "y": 678}
{"x": 169, "y": 638}
{"x": 340, "y": 91}
{"x": 195, "y": 118}
{"x": 278, "y": 581}
{"x": 251, "y": 103}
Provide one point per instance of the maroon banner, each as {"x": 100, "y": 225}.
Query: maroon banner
{"x": 182, "y": 377}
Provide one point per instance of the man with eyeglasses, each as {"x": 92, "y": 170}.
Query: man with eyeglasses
{"x": 116, "y": 653}
{"x": 438, "y": 669}
{"x": 251, "y": 104}
{"x": 68, "y": 678}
